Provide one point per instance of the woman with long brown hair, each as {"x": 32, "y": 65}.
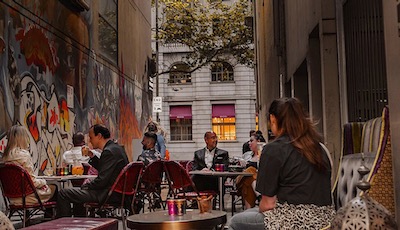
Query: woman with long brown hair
{"x": 293, "y": 176}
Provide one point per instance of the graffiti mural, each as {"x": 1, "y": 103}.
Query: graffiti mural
{"x": 44, "y": 50}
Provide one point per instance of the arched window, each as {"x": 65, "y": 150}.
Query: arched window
{"x": 222, "y": 72}
{"x": 180, "y": 74}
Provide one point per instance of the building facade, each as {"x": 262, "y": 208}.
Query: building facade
{"x": 217, "y": 97}
{"x": 340, "y": 57}
{"x": 66, "y": 65}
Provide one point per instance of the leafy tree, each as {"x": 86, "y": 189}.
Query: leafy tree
{"x": 213, "y": 30}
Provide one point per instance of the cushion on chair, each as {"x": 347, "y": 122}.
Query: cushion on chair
{"x": 349, "y": 176}
{"x": 352, "y": 133}
{"x": 77, "y": 223}
{"x": 371, "y": 136}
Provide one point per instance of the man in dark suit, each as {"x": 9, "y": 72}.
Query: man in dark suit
{"x": 112, "y": 160}
{"x": 205, "y": 159}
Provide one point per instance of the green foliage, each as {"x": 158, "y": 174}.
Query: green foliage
{"x": 214, "y": 30}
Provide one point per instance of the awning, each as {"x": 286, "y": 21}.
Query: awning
{"x": 222, "y": 111}
{"x": 180, "y": 111}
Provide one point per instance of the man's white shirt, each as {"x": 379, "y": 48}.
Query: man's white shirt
{"x": 209, "y": 156}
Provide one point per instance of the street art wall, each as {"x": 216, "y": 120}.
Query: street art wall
{"x": 54, "y": 84}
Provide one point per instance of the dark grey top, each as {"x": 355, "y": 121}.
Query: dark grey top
{"x": 284, "y": 172}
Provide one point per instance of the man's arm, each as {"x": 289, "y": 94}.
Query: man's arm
{"x": 197, "y": 165}
{"x": 106, "y": 164}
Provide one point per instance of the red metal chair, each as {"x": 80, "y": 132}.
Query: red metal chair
{"x": 189, "y": 166}
{"x": 125, "y": 185}
{"x": 16, "y": 182}
{"x": 181, "y": 184}
{"x": 150, "y": 184}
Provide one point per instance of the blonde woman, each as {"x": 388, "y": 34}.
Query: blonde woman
{"x": 17, "y": 152}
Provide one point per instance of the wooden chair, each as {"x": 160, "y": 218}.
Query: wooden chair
{"x": 16, "y": 182}
{"x": 151, "y": 180}
{"x": 126, "y": 185}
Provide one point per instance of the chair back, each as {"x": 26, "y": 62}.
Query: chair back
{"x": 177, "y": 176}
{"x": 16, "y": 181}
{"x": 153, "y": 173}
{"x": 189, "y": 166}
{"x": 128, "y": 179}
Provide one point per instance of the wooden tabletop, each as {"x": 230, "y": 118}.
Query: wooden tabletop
{"x": 193, "y": 219}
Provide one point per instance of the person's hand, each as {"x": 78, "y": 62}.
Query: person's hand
{"x": 206, "y": 169}
{"x": 86, "y": 151}
{"x": 84, "y": 187}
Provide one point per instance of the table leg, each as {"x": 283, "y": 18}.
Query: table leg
{"x": 221, "y": 192}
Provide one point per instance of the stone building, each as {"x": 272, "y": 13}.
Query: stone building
{"x": 340, "y": 57}
{"x": 219, "y": 98}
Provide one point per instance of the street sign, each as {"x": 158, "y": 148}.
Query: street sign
{"x": 157, "y": 104}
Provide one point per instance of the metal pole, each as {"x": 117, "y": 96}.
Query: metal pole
{"x": 157, "y": 59}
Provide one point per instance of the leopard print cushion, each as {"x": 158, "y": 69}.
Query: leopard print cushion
{"x": 289, "y": 216}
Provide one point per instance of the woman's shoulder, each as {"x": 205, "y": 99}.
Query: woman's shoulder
{"x": 279, "y": 142}
{"x": 20, "y": 152}
{"x": 247, "y": 155}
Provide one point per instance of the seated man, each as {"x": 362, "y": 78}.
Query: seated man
{"x": 205, "y": 159}
{"x": 112, "y": 160}
{"x": 75, "y": 154}
{"x": 149, "y": 153}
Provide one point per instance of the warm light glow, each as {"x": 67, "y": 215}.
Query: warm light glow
{"x": 225, "y": 128}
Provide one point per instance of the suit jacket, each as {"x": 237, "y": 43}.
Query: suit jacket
{"x": 220, "y": 157}
{"x": 112, "y": 160}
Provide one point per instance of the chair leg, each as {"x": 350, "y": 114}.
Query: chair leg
{"x": 233, "y": 208}
{"x": 24, "y": 220}
{"x": 123, "y": 218}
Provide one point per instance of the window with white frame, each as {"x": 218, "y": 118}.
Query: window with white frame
{"x": 180, "y": 119}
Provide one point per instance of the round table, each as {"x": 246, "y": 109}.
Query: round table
{"x": 160, "y": 220}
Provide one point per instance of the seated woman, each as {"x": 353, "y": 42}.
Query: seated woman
{"x": 246, "y": 185}
{"x": 17, "y": 152}
{"x": 293, "y": 176}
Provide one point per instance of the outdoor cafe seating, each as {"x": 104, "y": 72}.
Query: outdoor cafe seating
{"x": 125, "y": 186}
{"x": 150, "y": 183}
{"x": 180, "y": 182}
{"x": 16, "y": 182}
